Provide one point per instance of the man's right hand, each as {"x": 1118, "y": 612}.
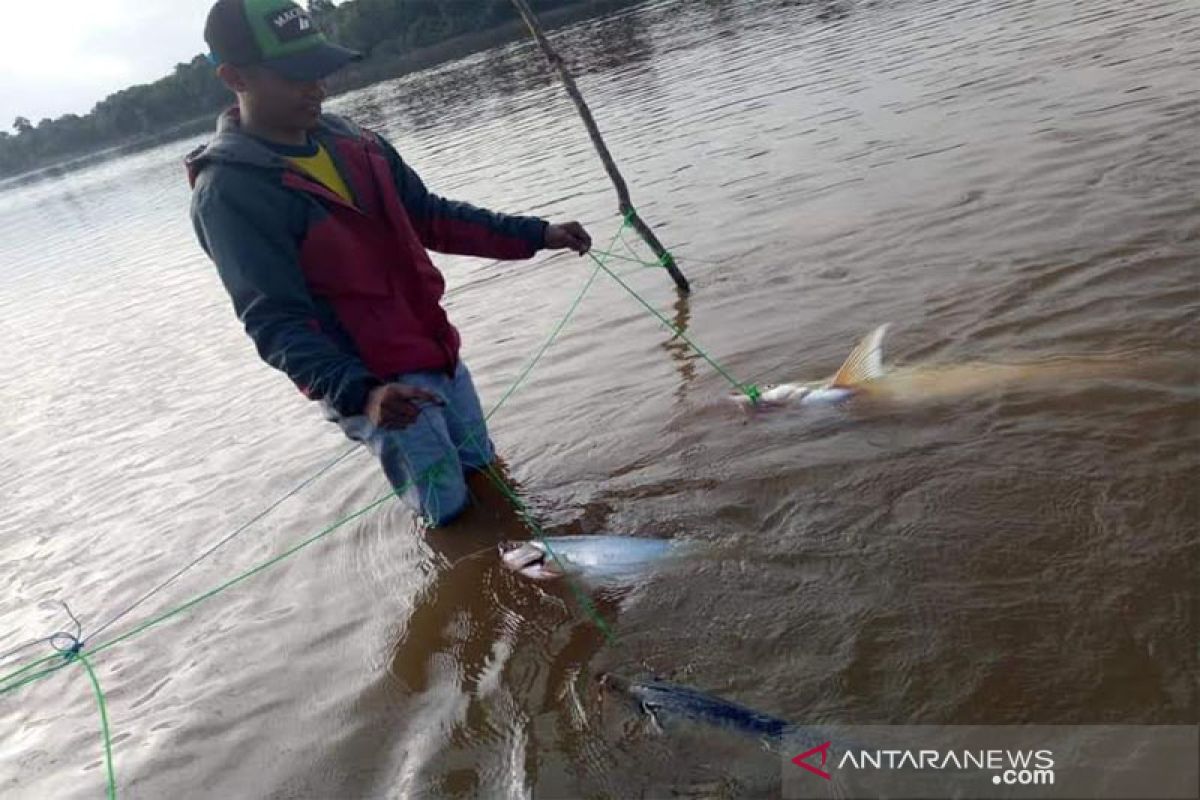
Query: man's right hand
{"x": 395, "y": 405}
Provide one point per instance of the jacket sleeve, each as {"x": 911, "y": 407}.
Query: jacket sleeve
{"x": 449, "y": 226}
{"x": 257, "y": 257}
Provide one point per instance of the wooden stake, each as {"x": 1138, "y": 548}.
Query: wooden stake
{"x": 626, "y": 205}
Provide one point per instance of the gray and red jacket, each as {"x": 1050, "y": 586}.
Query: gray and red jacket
{"x": 341, "y": 297}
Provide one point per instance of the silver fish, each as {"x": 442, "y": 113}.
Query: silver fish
{"x": 863, "y": 376}
{"x": 597, "y": 559}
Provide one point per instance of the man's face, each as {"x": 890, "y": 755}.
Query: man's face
{"x": 279, "y": 102}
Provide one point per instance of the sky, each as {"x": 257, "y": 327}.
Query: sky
{"x": 64, "y": 56}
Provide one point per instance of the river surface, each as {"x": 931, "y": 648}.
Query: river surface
{"x": 1002, "y": 181}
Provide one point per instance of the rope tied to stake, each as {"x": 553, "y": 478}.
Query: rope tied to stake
{"x": 750, "y": 390}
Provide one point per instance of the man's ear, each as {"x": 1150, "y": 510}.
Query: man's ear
{"x": 233, "y": 77}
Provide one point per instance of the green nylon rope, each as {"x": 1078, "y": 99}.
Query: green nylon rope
{"x": 226, "y": 540}
{"x": 747, "y": 389}
{"x": 545, "y": 345}
{"x": 612, "y": 256}
{"x": 580, "y": 595}
{"x": 628, "y": 247}
{"x": 30, "y": 666}
{"x": 7, "y": 683}
{"x": 104, "y": 730}
{"x": 523, "y": 511}
{"x": 198, "y": 598}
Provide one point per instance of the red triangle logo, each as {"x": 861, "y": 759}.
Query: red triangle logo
{"x": 801, "y": 760}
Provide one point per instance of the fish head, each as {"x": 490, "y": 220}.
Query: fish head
{"x": 613, "y": 683}
{"x": 610, "y": 685}
{"x": 530, "y": 560}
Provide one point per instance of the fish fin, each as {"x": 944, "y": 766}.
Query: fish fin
{"x": 773, "y": 738}
{"x": 864, "y": 364}
{"x": 652, "y": 715}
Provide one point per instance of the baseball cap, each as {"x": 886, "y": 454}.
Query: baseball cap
{"x": 276, "y": 34}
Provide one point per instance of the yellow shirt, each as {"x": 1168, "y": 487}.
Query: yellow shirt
{"x": 321, "y": 167}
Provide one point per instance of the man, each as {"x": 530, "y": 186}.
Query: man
{"x": 319, "y": 231}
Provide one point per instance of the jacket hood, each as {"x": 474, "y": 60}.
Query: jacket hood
{"x": 231, "y": 145}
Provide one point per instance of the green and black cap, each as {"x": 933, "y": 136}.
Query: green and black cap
{"x": 276, "y": 34}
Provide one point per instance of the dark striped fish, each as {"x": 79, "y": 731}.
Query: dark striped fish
{"x": 659, "y": 700}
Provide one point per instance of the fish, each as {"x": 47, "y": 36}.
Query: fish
{"x": 863, "y": 376}
{"x": 597, "y": 559}
{"x": 664, "y": 702}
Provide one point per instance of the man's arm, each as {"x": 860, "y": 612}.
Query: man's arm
{"x": 458, "y": 228}
{"x": 257, "y": 257}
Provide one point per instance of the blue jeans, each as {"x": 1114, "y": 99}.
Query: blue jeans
{"x": 427, "y": 462}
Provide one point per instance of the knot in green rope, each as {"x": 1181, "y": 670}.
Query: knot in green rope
{"x": 68, "y": 645}
{"x": 71, "y": 652}
{"x": 752, "y": 391}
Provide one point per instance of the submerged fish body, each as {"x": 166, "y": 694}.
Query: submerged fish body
{"x": 661, "y": 701}
{"x": 863, "y": 377}
{"x": 784, "y": 394}
{"x": 596, "y": 559}
{"x": 864, "y": 365}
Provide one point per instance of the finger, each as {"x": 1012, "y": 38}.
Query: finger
{"x": 400, "y": 404}
{"x": 432, "y": 397}
{"x": 422, "y": 396}
{"x": 392, "y": 422}
{"x": 411, "y": 393}
{"x": 402, "y": 415}
{"x": 582, "y": 238}
{"x": 576, "y": 241}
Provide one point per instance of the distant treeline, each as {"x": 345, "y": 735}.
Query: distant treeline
{"x": 383, "y": 30}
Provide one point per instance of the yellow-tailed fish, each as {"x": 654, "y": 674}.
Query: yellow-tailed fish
{"x": 864, "y": 376}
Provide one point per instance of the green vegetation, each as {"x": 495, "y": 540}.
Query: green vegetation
{"x": 391, "y": 33}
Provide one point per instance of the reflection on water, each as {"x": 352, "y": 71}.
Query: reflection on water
{"x": 1000, "y": 182}
{"x": 500, "y": 81}
{"x": 681, "y": 352}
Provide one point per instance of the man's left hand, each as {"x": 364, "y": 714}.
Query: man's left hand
{"x": 569, "y": 235}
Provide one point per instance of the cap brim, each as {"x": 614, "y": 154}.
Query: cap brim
{"x": 313, "y": 64}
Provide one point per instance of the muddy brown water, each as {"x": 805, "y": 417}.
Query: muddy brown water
{"x": 1007, "y": 182}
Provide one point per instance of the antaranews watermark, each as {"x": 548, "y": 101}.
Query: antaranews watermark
{"x": 1124, "y": 762}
